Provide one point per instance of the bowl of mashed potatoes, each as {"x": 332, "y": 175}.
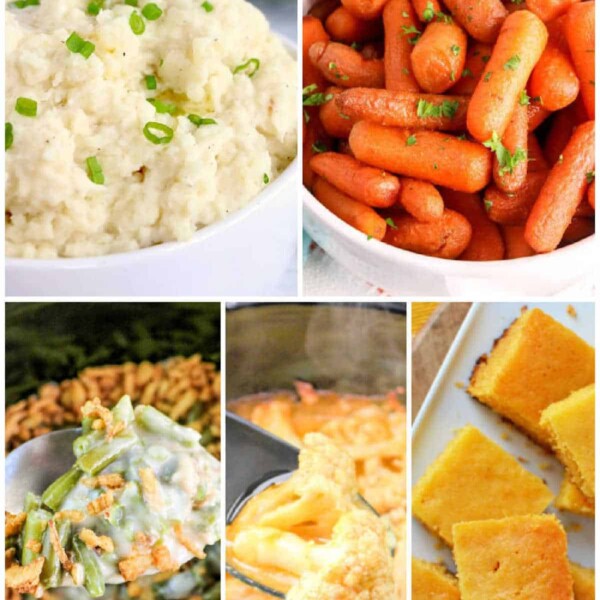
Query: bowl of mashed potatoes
{"x": 150, "y": 147}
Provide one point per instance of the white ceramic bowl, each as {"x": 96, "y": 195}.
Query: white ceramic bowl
{"x": 400, "y": 272}
{"x": 245, "y": 254}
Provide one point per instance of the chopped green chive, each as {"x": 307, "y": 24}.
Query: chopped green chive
{"x": 265, "y": 178}
{"x": 197, "y": 120}
{"x": 524, "y": 98}
{"x": 94, "y": 170}
{"x": 162, "y": 107}
{"x": 411, "y": 140}
{"x": 428, "y": 13}
{"x": 310, "y": 99}
{"x": 131, "y": 3}
{"x": 26, "y": 107}
{"x": 488, "y": 205}
{"x": 136, "y": 23}
{"x": 158, "y": 127}
{"x": 78, "y": 45}
{"x": 8, "y": 135}
{"x": 391, "y": 223}
{"x": 25, "y": 3}
{"x": 252, "y": 65}
{"x": 512, "y": 63}
{"x": 455, "y": 49}
{"x": 94, "y": 8}
{"x": 207, "y": 6}
{"x": 150, "y": 82}
{"x": 152, "y": 11}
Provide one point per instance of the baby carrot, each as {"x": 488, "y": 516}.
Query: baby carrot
{"x": 481, "y": 18}
{"x": 514, "y": 242}
{"x": 579, "y": 29}
{"x": 364, "y": 9}
{"x": 439, "y": 56}
{"x": 368, "y": 185}
{"x": 577, "y": 230}
{"x": 358, "y": 215}
{"x": 399, "y": 19}
{"x": 548, "y": 10}
{"x": 404, "y": 109}
{"x": 343, "y": 26}
{"x": 486, "y": 240}
{"x": 562, "y": 191}
{"x": 514, "y": 208}
{"x": 429, "y": 155}
{"x": 514, "y": 140}
{"x": 520, "y": 44}
{"x": 553, "y": 79}
{"x": 591, "y": 195}
{"x": 447, "y": 237}
{"x": 334, "y": 121}
{"x": 536, "y": 161}
{"x": 312, "y": 31}
{"x": 426, "y": 9}
{"x": 536, "y": 115}
{"x": 323, "y": 8}
{"x": 477, "y": 57}
{"x": 421, "y": 199}
{"x": 346, "y": 67}
{"x": 315, "y": 141}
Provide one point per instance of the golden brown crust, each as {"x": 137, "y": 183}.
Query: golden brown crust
{"x": 111, "y": 481}
{"x": 186, "y": 542}
{"x": 134, "y": 566}
{"x": 151, "y": 488}
{"x": 93, "y": 541}
{"x": 101, "y": 503}
{"x": 58, "y": 549}
{"x": 13, "y": 523}
{"x": 75, "y": 516}
{"x": 161, "y": 558}
{"x": 25, "y": 580}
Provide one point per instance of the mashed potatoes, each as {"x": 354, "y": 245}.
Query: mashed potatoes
{"x": 213, "y": 59}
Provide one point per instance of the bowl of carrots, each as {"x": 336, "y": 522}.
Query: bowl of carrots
{"x": 449, "y": 147}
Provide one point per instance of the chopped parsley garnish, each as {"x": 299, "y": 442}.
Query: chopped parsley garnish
{"x": 197, "y": 120}
{"x": 391, "y": 223}
{"x": 411, "y": 140}
{"x": 94, "y": 170}
{"x": 316, "y": 99}
{"x": 452, "y": 76}
{"x": 467, "y": 73}
{"x": 137, "y": 23}
{"x": 251, "y": 66}
{"x": 455, "y": 49}
{"x": 26, "y": 107}
{"x": 152, "y": 126}
{"x": 487, "y": 76}
{"x": 207, "y": 6}
{"x": 8, "y": 135}
{"x": 524, "y": 98}
{"x": 428, "y": 13}
{"x": 411, "y": 30}
{"x": 485, "y": 58}
{"x": 319, "y": 147}
{"x": 333, "y": 67}
{"x": 131, "y": 2}
{"x": 265, "y": 178}
{"x": 443, "y": 18}
{"x": 506, "y": 160}
{"x": 405, "y": 71}
{"x": 94, "y": 8}
{"x": 447, "y": 108}
{"x": 150, "y": 82}
{"x": 25, "y": 3}
{"x": 78, "y": 45}
{"x": 512, "y": 63}
{"x": 488, "y": 205}
{"x": 152, "y": 11}
{"x": 590, "y": 176}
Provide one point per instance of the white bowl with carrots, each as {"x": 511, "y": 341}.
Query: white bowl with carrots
{"x": 449, "y": 148}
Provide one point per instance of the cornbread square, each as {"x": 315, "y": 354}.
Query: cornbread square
{"x": 570, "y": 425}
{"x": 517, "y": 557}
{"x": 475, "y": 479}
{"x": 583, "y": 582}
{"x": 432, "y": 582}
{"x": 572, "y": 499}
{"x": 536, "y": 362}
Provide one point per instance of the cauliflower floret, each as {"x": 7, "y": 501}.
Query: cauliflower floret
{"x": 355, "y": 564}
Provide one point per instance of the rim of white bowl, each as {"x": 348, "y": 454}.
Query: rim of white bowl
{"x": 286, "y": 177}
{"x": 443, "y": 265}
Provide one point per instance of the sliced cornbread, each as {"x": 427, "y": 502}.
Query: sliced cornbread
{"x": 536, "y": 362}
{"x": 570, "y": 425}
{"x": 475, "y": 479}
{"x": 432, "y": 582}
{"x": 572, "y": 499}
{"x": 583, "y": 582}
{"x": 517, "y": 557}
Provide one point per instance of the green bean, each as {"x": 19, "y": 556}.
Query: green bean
{"x": 153, "y": 420}
{"x": 123, "y": 410}
{"x": 98, "y": 458}
{"x": 84, "y": 443}
{"x": 33, "y": 530}
{"x": 92, "y": 579}
{"x": 51, "y": 571}
{"x": 86, "y": 424}
{"x": 56, "y": 492}
{"x": 32, "y": 501}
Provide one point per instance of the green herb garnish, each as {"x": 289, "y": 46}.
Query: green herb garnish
{"x": 26, "y": 107}
{"x": 94, "y": 170}
{"x": 197, "y": 120}
{"x": 506, "y": 160}
{"x": 251, "y": 65}
{"x": 158, "y": 127}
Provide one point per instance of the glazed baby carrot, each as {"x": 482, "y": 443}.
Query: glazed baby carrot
{"x": 399, "y": 19}
{"x": 579, "y": 29}
{"x": 315, "y": 141}
{"x": 369, "y": 185}
{"x": 547, "y": 10}
{"x": 520, "y": 44}
{"x": 426, "y": 9}
{"x": 334, "y": 121}
{"x": 404, "y": 109}
{"x": 358, "y": 215}
{"x": 536, "y": 161}
{"x": 510, "y": 178}
{"x": 429, "y": 155}
{"x": 481, "y": 18}
{"x": 514, "y": 242}
{"x": 322, "y": 9}
{"x": 344, "y": 66}
{"x": 312, "y": 31}
{"x": 591, "y": 195}
{"x": 486, "y": 241}
{"x": 421, "y": 199}
{"x": 562, "y": 191}
{"x": 514, "y": 208}
{"x": 447, "y": 237}
{"x": 343, "y": 26}
{"x": 364, "y": 9}
{"x": 478, "y": 55}
{"x": 439, "y": 56}
{"x": 536, "y": 115}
